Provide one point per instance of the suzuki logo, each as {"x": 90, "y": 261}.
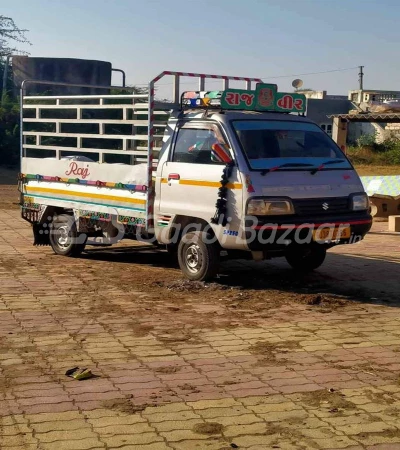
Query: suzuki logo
{"x": 325, "y": 206}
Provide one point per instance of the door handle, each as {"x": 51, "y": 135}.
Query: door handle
{"x": 174, "y": 176}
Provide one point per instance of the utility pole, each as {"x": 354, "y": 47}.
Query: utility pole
{"x": 361, "y": 78}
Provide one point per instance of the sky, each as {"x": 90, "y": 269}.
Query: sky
{"x": 276, "y": 40}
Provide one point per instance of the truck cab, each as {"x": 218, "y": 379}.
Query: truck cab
{"x": 291, "y": 190}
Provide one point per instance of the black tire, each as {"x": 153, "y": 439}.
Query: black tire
{"x": 64, "y": 237}
{"x": 306, "y": 258}
{"x": 198, "y": 259}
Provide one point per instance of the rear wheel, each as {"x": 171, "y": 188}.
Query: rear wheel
{"x": 198, "y": 258}
{"x": 64, "y": 237}
{"x": 306, "y": 258}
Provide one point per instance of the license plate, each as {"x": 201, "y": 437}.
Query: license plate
{"x": 331, "y": 234}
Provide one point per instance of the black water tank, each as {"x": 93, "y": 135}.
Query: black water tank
{"x": 62, "y": 70}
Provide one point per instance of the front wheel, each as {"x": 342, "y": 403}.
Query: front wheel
{"x": 306, "y": 258}
{"x": 198, "y": 258}
{"x": 64, "y": 237}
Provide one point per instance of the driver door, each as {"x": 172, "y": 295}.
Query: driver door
{"x": 191, "y": 178}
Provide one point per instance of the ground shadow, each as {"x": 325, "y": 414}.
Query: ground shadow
{"x": 135, "y": 254}
{"x": 367, "y": 279}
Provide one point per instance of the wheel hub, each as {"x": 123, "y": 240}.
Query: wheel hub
{"x": 193, "y": 258}
{"x": 63, "y": 238}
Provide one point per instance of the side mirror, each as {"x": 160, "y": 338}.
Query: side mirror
{"x": 220, "y": 153}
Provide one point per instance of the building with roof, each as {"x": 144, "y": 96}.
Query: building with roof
{"x": 364, "y": 112}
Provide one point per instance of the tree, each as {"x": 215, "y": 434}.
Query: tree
{"x": 9, "y": 35}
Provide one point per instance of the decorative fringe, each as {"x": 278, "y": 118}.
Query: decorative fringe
{"x": 220, "y": 217}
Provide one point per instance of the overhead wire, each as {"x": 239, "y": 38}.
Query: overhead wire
{"x": 266, "y": 77}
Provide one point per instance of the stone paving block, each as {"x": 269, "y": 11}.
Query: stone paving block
{"x": 284, "y": 415}
{"x": 232, "y": 431}
{"x": 81, "y": 444}
{"x": 337, "y": 442}
{"x": 257, "y": 400}
{"x": 114, "y": 420}
{"x": 153, "y": 446}
{"x": 60, "y": 425}
{"x": 193, "y": 444}
{"x": 118, "y": 440}
{"x": 66, "y": 435}
{"x": 181, "y": 435}
{"x": 17, "y": 440}
{"x": 218, "y": 403}
{"x": 20, "y": 446}
{"x": 130, "y": 429}
{"x": 49, "y": 407}
{"x": 173, "y": 425}
{"x": 262, "y": 441}
{"x": 274, "y": 407}
{"x": 162, "y": 417}
{"x": 170, "y": 408}
{"x": 383, "y": 447}
{"x": 371, "y": 427}
{"x": 14, "y": 430}
{"x": 222, "y": 412}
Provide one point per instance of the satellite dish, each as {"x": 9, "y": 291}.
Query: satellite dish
{"x": 297, "y": 83}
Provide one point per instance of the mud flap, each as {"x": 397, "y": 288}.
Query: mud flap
{"x": 41, "y": 234}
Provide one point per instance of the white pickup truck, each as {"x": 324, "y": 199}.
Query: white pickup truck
{"x": 237, "y": 171}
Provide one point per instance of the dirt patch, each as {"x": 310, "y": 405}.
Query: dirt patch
{"x": 125, "y": 406}
{"x": 334, "y": 401}
{"x": 208, "y": 428}
{"x": 191, "y": 286}
{"x": 323, "y": 300}
{"x": 268, "y": 351}
{"x": 392, "y": 411}
{"x": 178, "y": 338}
{"x": 167, "y": 370}
{"x": 139, "y": 330}
{"x": 387, "y": 434}
{"x": 283, "y": 432}
{"x": 370, "y": 368}
{"x": 380, "y": 397}
{"x": 189, "y": 387}
{"x": 9, "y": 195}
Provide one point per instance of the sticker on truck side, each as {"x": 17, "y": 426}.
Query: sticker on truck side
{"x": 231, "y": 233}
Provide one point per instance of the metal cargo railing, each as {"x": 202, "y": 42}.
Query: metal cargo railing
{"x": 47, "y": 122}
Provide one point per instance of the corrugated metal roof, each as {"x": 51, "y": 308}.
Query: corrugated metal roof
{"x": 369, "y": 117}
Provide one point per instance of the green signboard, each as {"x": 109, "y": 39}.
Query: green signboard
{"x": 238, "y": 99}
{"x": 286, "y": 102}
{"x": 264, "y": 98}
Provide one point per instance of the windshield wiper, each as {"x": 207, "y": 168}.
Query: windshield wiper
{"x": 326, "y": 163}
{"x": 272, "y": 169}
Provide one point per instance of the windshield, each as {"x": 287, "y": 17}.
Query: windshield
{"x": 271, "y": 143}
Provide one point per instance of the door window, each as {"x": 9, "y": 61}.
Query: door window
{"x": 194, "y": 145}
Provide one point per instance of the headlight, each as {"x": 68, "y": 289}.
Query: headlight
{"x": 359, "y": 202}
{"x": 269, "y": 207}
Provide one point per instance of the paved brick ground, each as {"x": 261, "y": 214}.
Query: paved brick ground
{"x": 219, "y": 367}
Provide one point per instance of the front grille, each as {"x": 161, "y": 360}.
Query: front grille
{"x": 321, "y": 206}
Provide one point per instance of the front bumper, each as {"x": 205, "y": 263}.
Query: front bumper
{"x": 267, "y": 233}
